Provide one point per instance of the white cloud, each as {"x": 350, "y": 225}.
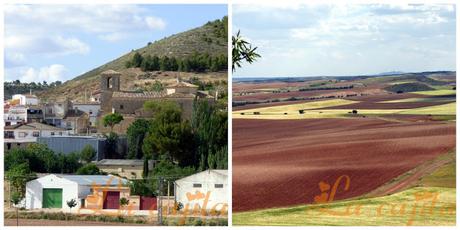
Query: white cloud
{"x": 33, "y": 31}
{"x": 93, "y": 19}
{"x": 50, "y": 73}
{"x": 155, "y": 23}
{"x": 48, "y": 45}
{"x": 345, "y": 39}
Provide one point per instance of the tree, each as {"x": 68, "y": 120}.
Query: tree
{"x": 111, "y": 149}
{"x": 145, "y": 169}
{"x": 71, "y": 203}
{"x": 124, "y": 201}
{"x": 40, "y": 158}
{"x": 168, "y": 134}
{"x": 164, "y": 63}
{"x": 88, "y": 153}
{"x": 18, "y": 176}
{"x": 242, "y": 51}
{"x": 89, "y": 169}
{"x": 137, "y": 60}
{"x": 112, "y": 119}
{"x": 209, "y": 126}
{"x": 157, "y": 86}
{"x": 46, "y": 159}
{"x": 135, "y": 134}
{"x": 167, "y": 169}
{"x": 16, "y": 197}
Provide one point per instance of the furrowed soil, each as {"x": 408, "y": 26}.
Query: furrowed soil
{"x": 279, "y": 163}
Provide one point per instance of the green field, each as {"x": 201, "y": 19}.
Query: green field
{"x": 441, "y": 92}
{"x": 421, "y": 99}
{"x": 379, "y": 211}
{"x": 292, "y": 111}
{"x": 442, "y": 177}
{"x": 445, "y": 109}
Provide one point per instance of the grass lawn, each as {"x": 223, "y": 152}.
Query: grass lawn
{"x": 440, "y": 92}
{"x": 404, "y": 208}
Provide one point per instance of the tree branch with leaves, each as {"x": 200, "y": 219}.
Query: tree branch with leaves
{"x": 242, "y": 51}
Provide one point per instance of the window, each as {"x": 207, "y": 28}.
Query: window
{"x": 60, "y": 133}
{"x": 218, "y": 185}
{"x": 9, "y": 134}
{"x": 121, "y": 106}
{"x": 109, "y": 83}
{"x": 36, "y": 134}
{"x": 22, "y": 134}
{"x": 52, "y": 133}
{"x": 197, "y": 185}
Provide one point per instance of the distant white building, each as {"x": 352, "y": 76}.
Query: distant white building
{"x": 92, "y": 109}
{"x": 95, "y": 96}
{"x": 54, "y": 190}
{"x": 55, "y": 111}
{"x": 181, "y": 87}
{"x": 211, "y": 184}
{"x": 14, "y": 115}
{"x": 22, "y": 134}
{"x": 26, "y": 99}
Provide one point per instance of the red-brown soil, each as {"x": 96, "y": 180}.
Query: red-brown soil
{"x": 364, "y": 101}
{"x": 279, "y": 163}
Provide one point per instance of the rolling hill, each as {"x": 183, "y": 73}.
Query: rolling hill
{"x": 210, "y": 39}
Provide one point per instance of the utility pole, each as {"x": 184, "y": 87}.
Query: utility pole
{"x": 167, "y": 213}
{"x": 160, "y": 206}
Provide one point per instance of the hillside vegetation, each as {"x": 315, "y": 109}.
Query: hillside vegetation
{"x": 408, "y": 87}
{"x": 209, "y": 40}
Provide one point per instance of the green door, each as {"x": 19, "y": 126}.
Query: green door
{"x": 52, "y": 198}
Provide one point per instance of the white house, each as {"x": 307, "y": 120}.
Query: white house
{"x": 27, "y": 99}
{"x": 207, "y": 189}
{"x": 21, "y": 134}
{"x": 15, "y": 115}
{"x": 54, "y": 190}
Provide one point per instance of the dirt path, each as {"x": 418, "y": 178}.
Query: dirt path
{"x": 39, "y": 222}
{"x": 411, "y": 178}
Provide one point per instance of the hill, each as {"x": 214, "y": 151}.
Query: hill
{"x": 209, "y": 39}
{"x": 408, "y": 87}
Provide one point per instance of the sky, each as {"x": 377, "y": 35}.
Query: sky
{"x": 340, "y": 40}
{"x": 60, "y": 42}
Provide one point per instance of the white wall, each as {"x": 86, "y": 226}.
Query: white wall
{"x": 17, "y": 113}
{"x": 91, "y": 109}
{"x": 24, "y": 100}
{"x": 35, "y": 187}
{"x": 26, "y": 135}
{"x": 207, "y": 179}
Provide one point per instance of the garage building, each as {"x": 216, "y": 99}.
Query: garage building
{"x": 210, "y": 182}
{"x": 54, "y": 190}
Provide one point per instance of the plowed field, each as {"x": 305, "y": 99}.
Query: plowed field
{"x": 279, "y": 163}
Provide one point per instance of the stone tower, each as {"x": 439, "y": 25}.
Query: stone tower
{"x": 110, "y": 82}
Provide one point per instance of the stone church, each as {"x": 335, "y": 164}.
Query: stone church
{"x": 130, "y": 104}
